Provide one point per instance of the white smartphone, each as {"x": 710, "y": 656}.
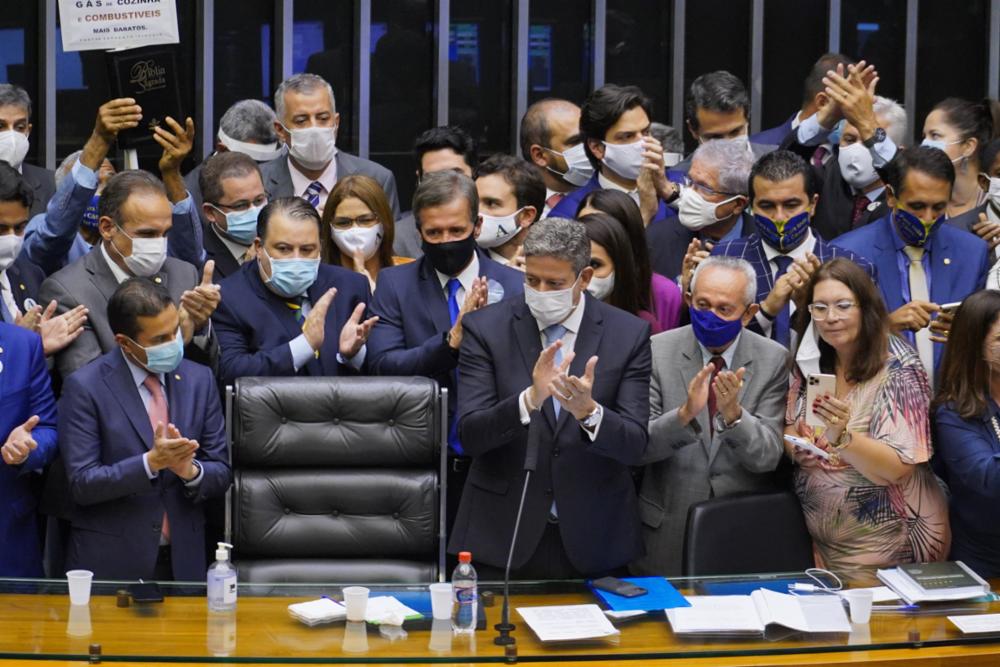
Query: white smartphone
{"x": 805, "y": 444}
{"x": 818, "y": 384}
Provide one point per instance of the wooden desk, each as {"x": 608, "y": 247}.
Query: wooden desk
{"x": 43, "y": 626}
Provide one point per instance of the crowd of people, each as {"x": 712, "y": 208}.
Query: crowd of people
{"x": 643, "y": 325}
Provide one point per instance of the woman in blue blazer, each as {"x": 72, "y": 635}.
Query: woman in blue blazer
{"x": 27, "y": 416}
{"x": 967, "y": 431}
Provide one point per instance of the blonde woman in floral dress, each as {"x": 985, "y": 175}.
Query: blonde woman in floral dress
{"x": 875, "y": 502}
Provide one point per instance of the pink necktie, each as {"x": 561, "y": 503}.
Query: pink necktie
{"x": 158, "y": 414}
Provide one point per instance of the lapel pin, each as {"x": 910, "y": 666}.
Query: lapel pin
{"x": 874, "y": 205}
{"x": 21, "y": 285}
{"x": 177, "y": 377}
{"x": 157, "y": 280}
{"x": 947, "y": 260}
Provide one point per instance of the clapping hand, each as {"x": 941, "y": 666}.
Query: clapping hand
{"x": 574, "y": 393}
{"x": 474, "y": 299}
{"x": 355, "y": 332}
{"x": 201, "y": 302}
{"x": 545, "y": 372}
{"x": 727, "y": 386}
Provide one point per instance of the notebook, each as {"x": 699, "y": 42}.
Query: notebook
{"x": 752, "y": 614}
{"x": 968, "y": 584}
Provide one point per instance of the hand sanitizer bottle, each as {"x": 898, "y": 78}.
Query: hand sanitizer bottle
{"x": 222, "y": 581}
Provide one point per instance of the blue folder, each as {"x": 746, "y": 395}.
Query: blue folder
{"x": 660, "y": 594}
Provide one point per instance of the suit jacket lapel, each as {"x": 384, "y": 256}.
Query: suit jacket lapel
{"x": 759, "y": 259}
{"x": 888, "y": 268}
{"x": 529, "y": 343}
{"x": 217, "y": 250}
{"x": 275, "y": 304}
{"x": 100, "y": 272}
{"x": 118, "y": 377}
{"x": 941, "y": 263}
{"x": 433, "y": 296}
{"x": 689, "y": 367}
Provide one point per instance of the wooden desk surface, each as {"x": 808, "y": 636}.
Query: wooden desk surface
{"x": 37, "y": 625}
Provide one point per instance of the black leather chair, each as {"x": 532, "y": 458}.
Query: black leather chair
{"x": 337, "y": 479}
{"x": 747, "y": 533}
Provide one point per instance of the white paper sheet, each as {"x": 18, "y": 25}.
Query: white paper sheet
{"x": 716, "y": 613}
{"x": 567, "y": 622}
{"x": 977, "y": 623}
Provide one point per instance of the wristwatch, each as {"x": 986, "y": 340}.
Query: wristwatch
{"x": 590, "y": 421}
{"x": 719, "y": 422}
{"x": 877, "y": 138}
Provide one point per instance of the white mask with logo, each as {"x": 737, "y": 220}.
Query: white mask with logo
{"x": 497, "y": 230}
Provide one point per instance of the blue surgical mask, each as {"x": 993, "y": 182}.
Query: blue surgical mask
{"x": 241, "y": 226}
{"x": 711, "y": 330}
{"x": 912, "y": 229}
{"x": 165, "y": 357}
{"x": 783, "y": 235}
{"x": 292, "y": 277}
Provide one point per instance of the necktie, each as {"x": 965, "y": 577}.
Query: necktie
{"x": 552, "y": 334}
{"x": 453, "y": 285}
{"x": 861, "y": 202}
{"x": 552, "y": 201}
{"x": 780, "y": 330}
{"x": 819, "y": 156}
{"x": 719, "y": 364}
{"x": 157, "y": 410}
{"x": 918, "y": 292}
{"x": 312, "y": 193}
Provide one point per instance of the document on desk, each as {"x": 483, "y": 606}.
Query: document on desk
{"x": 977, "y": 623}
{"x": 751, "y": 614}
{"x": 573, "y": 622}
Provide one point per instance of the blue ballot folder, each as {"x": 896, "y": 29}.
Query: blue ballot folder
{"x": 660, "y": 594}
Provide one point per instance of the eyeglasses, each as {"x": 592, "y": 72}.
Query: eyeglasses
{"x": 704, "y": 189}
{"x": 821, "y": 311}
{"x": 343, "y": 222}
{"x": 242, "y": 205}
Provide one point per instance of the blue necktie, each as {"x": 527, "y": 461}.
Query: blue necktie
{"x": 312, "y": 193}
{"x": 781, "y": 320}
{"x": 552, "y": 334}
{"x": 453, "y": 286}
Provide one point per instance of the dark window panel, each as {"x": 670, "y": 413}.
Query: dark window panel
{"x": 795, "y": 36}
{"x": 875, "y": 31}
{"x": 244, "y": 48}
{"x": 19, "y": 30}
{"x": 324, "y": 44}
{"x": 638, "y": 48}
{"x": 480, "y": 52}
{"x": 559, "y": 50}
{"x": 402, "y": 86}
{"x": 951, "y": 61}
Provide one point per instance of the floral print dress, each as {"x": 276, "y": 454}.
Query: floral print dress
{"x": 854, "y": 522}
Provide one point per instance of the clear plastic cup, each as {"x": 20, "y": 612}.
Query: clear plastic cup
{"x": 79, "y": 586}
{"x": 860, "y": 602}
{"x": 356, "y": 601}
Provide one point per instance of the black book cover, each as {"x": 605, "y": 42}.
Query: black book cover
{"x": 150, "y": 76}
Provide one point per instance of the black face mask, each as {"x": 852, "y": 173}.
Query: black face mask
{"x": 451, "y": 257}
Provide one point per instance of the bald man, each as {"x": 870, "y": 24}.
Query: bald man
{"x": 551, "y": 139}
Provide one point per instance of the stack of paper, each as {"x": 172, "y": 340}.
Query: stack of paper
{"x": 751, "y": 614}
{"x": 573, "y": 622}
{"x": 977, "y": 623}
{"x": 912, "y": 593}
{"x": 317, "y": 612}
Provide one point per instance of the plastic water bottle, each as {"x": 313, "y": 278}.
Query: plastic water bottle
{"x": 222, "y": 581}
{"x": 463, "y": 582}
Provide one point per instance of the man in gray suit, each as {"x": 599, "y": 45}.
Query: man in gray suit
{"x": 15, "y": 128}
{"x": 717, "y": 404}
{"x": 134, "y": 219}
{"x": 307, "y": 122}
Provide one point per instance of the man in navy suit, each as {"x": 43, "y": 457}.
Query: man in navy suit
{"x": 233, "y": 196}
{"x": 783, "y": 251}
{"x": 276, "y": 312}
{"x": 421, "y": 305}
{"x": 565, "y": 377}
{"x": 922, "y": 264}
{"x": 615, "y": 124}
{"x": 143, "y": 438}
{"x": 28, "y": 433}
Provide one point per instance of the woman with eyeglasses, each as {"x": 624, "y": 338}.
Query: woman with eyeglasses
{"x": 967, "y": 430}
{"x": 357, "y": 230}
{"x": 871, "y": 499}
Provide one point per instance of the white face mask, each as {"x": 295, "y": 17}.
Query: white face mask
{"x": 579, "y": 168}
{"x": 856, "y": 165}
{"x": 993, "y": 194}
{"x": 600, "y": 288}
{"x": 551, "y": 307}
{"x": 147, "y": 255}
{"x": 366, "y": 239}
{"x": 695, "y": 212}
{"x": 13, "y": 147}
{"x": 497, "y": 230}
{"x": 259, "y": 152}
{"x": 624, "y": 159}
{"x": 313, "y": 147}
{"x": 942, "y": 146}
{"x": 10, "y": 248}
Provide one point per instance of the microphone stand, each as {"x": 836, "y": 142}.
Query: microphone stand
{"x": 505, "y": 627}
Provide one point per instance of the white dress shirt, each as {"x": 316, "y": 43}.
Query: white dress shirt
{"x": 328, "y": 179}
{"x": 608, "y": 184}
{"x": 8, "y": 295}
{"x": 465, "y": 278}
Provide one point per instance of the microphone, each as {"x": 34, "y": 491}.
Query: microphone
{"x": 505, "y": 627}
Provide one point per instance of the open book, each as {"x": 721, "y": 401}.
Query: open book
{"x": 751, "y": 614}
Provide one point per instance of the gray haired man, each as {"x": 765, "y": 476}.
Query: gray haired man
{"x": 307, "y": 122}
{"x": 15, "y": 129}
{"x": 717, "y": 401}
{"x": 559, "y": 382}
